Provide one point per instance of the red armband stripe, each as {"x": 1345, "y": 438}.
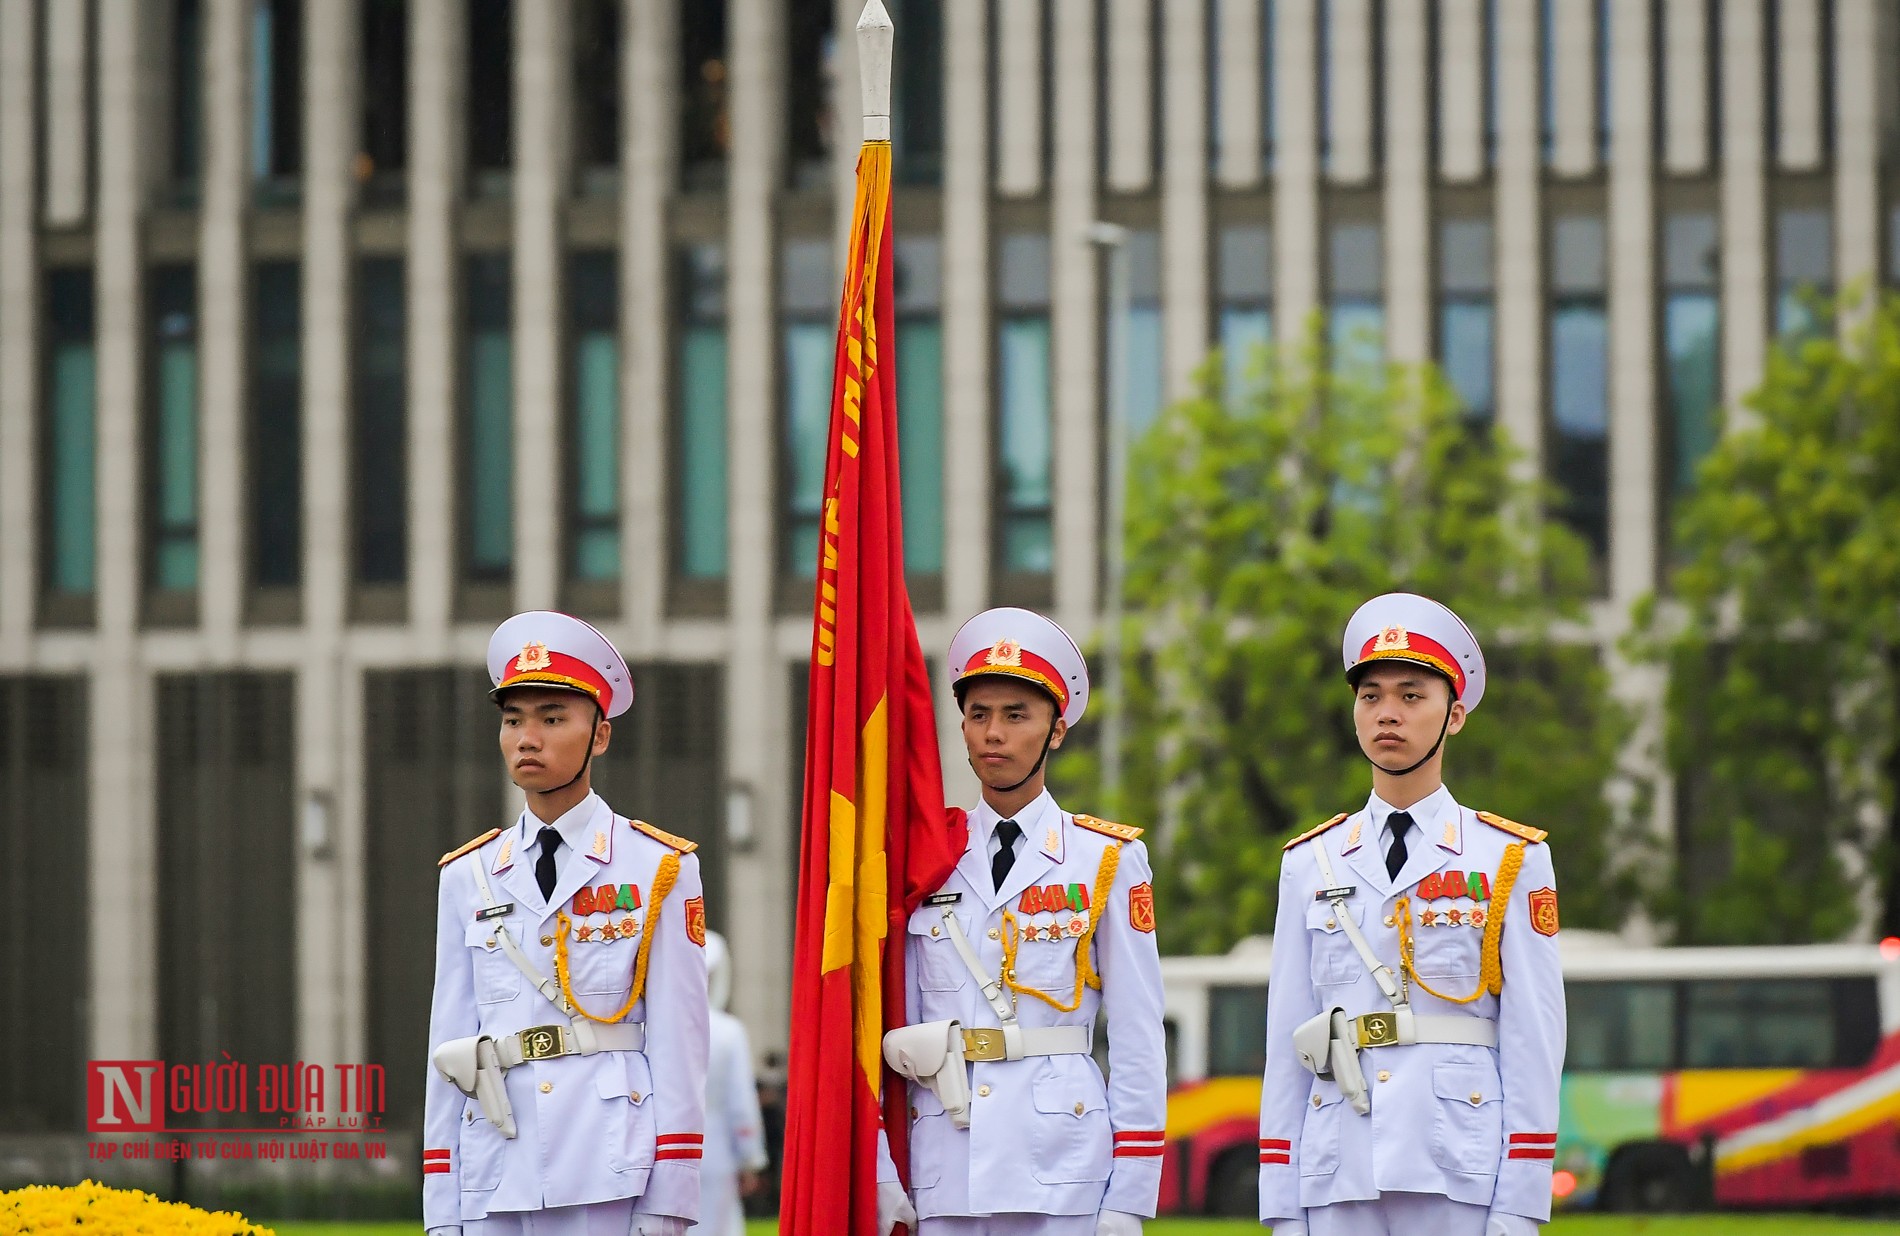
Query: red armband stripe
{"x": 441, "y": 1154}
{"x": 1138, "y": 1151}
{"x": 1540, "y": 1139}
{"x": 1532, "y": 1152}
{"x": 1275, "y": 1143}
{"x": 436, "y": 1167}
{"x": 676, "y": 1152}
{"x": 1275, "y": 1156}
{"x": 1139, "y": 1135}
{"x": 680, "y": 1139}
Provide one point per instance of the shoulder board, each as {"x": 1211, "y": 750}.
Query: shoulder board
{"x": 664, "y": 838}
{"x": 1311, "y": 833}
{"x": 1109, "y": 828}
{"x": 1523, "y": 832}
{"x": 467, "y": 847}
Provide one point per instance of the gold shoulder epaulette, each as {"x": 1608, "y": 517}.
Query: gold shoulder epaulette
{"x": 1523, "y": 832}
{"x": 1109, "y": 828}
{"x": 1311, "y": 833}
{"x": 665, "y": 838}
{"x": 466, "y": 847}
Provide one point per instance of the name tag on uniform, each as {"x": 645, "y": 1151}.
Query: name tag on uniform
{"x": 1327, "y": 894}
{"x": 505, "y": 908}
{"x": 943, "y": 899}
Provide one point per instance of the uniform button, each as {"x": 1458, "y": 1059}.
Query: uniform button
{"x": 491, "y": 944}
{"x": 1385, "y": 1074}
{"x": 993, "y": 933}
{"x": 982, "y": 1092}
{"x": 913, "y": 1113}
{"x": 1331, "y": 923}
{"x": 1391, "y": 920}
{"x": 1477, "y": 1097}
{"x": 1316, "y": 1100}
{"x": 547, "y": 939}
{"x": 547, "y": 1087}
{"x": 936, "y": 931}
{"x": 634, "y": 1097}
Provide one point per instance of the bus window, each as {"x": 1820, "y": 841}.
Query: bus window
{"x": 1236, "y": 1031}
{"x": 1620, "y": 1026}
{"x": 1760, "y": 1024}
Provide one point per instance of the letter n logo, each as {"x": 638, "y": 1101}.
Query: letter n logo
{"x": 121, "y": 1096}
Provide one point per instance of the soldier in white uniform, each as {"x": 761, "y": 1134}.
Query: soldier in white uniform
{"x": 1415, "y": 1021}
{"x": 1047, "y": 920}
{"x": 568, "y": 1033}
{"x": 735, "y": 1131}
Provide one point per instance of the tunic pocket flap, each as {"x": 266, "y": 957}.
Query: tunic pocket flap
{"x": 1325, "y": 1094}
{"x": 628, "y": 1078}
{"x": 924, "y": 1102}
{"x": 482, "y": 936}
{"x": 1463, "y": 1083}
{"x": 1321, "y": 916}
{"x": 1070, "y": 1096}
{"x": 928, "y": 923}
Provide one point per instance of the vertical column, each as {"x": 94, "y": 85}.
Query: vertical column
{"x": 1350, "y": 85}
{"x": 1798, "y": 87}
{"x": 1634, "y": 534}
{"x": 1019, "y": 119}
{"x": 1574, "y": 65}
{"x": 329, "y": 903}
{"x": 847, "y": 126}
{"x": 1745, "y": 267}
{"x": 1685, "y": 50}
{"x": 68, "y": 119}
{"x": 1464, "y": 64}
{"x": 1408, "y": 195}
{"x": 1520, "y": 252}
{"x": 967, "y": 364}
{"x": 1296, "y": 154}
{"x": 755, "y": 678}
{"x": 1856, "y": 106}
{"x": 222, "y": 280}
{"x": 436, "y": 53}
{"x": 122, "y": 833}
{"x": 541, "y": 126}
{"x": 1129, "y": 94}
{"x": 1184, "y": 288}
{"x": 1076, "y": 309}
{"x": 19, "y": 324}
{"x": 1238, "y": 54}
{"x": 649, "y": 141}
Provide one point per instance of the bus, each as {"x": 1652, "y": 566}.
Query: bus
{"x": 1739, "y": 1077}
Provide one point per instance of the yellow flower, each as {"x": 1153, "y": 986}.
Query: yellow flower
{"x": 92, "y": 1209}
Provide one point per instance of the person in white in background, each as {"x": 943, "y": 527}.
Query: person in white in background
{"x": 735, "y": 1132}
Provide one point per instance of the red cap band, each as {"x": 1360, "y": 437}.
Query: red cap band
{"x": 1401, "y": 645}
{"x": 1012, "y": 659}
{"x": 545, "y": 667}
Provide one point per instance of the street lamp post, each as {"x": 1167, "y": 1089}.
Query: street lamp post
{"x": 1112, "y": 239}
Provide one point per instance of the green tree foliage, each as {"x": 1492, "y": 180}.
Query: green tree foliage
{"x": 1782, "y": 637}
{"x": 1257, "y": 523}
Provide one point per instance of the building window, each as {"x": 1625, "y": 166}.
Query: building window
{"x": 490, "y": 96}
{"x": 917, "y": 93}
{"x": 1024, "y": 493}
{"x": 593, "y": 291}
{"x": 488, "y": 532}
{"x": 1355, "y": 320}
{"x": 383, "y": 138}
{"x": 70, "y": 434}
{"x": 1142, "y": 366}
{"x": 1579, "y": 425}
{"x": 1804, "y": 270}
{"x": 808, "y": 333}
{"x": 171, "y": 451}
{"x": 276, "y": 99}
{"x": 918, "y": 269}
{"x": 812, "y": 48}
{"x": 380, "y": 441}
{"x": 186, "y": 157}
{"x": 1691, "y": 341}
{"x": 705, "y": 95}
{"x": 596, "y": 51}
{"x": 1467, "y": 314}
{"x": 699, "y": 463}
{"x": 276, "y": 437}
{"x": 1244, "y": 286}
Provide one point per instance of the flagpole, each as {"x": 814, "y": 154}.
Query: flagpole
{"x": 876, "y": 34}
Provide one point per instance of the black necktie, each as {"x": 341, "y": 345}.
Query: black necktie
{"x": 1396, "y": 824}
{"x": 544, "y": 866}
{"x": 1006, "y": 832}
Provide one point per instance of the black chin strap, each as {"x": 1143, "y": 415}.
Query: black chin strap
{"x": 588, "y": 758}
{"x": 1423, "y": 760}
{"x": 1047, "y": 739}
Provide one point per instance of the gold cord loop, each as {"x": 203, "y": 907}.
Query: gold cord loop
{"x": 1490, "y": 959}
{"x": 1085, "y": 975}
{"x": 663, "y": 881}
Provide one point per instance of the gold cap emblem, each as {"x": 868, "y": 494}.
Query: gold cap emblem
{"x": 1006, "y": 652}
{"x": 1392, "y": 638}
{"x": 534, "y": 656}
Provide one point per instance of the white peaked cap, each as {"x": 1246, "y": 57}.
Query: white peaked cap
{"x": 1020, "y": 643}
{"x": 544, "y": 648}
{"x": 1403, "y": 626}
{"x": 718, "y": 971}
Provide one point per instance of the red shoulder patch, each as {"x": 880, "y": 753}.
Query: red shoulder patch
{"x": 1544, "y": 911}
{"x": 1141, "y": 907}
{"x": 696, "y": 920}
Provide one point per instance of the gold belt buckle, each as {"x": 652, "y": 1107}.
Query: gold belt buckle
{"x": 983, "y": 1044}
{"x": 543, "y": 1042}
{"x": 1377, "y": 1029}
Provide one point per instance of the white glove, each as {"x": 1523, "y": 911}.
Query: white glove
{"x": 447, "y": 1229}
{"x": 1117, "y": 1223}
{"x": 658, "y": 1225}
{"x": 1290, "y": 1227}
{"x": 1503, "y": 1223}
{"x": 893, "y": 1208}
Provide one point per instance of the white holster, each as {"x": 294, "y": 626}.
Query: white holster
{"x": 474, "y": 1066}
{"x": 1325, "y": 1045}
{"x": 931, "y": 1054}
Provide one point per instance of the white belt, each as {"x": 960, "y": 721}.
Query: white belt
{"x": 991, "y": 1043}
{"x": 1402, "y": 1027}
{"x": 583, "y": 1038}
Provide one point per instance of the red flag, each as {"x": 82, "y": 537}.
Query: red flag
{"x": 876, "y": 837}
